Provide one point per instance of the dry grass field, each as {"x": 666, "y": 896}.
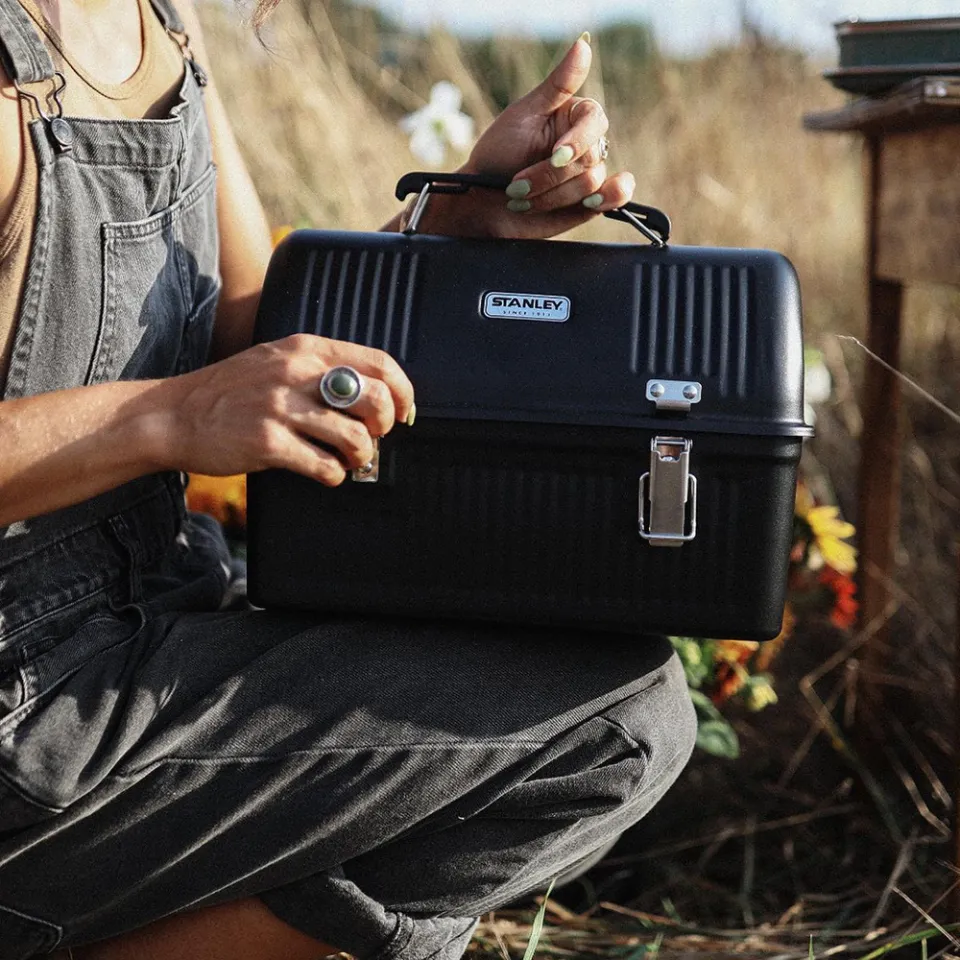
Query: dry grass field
{"x": 804, "y": 846}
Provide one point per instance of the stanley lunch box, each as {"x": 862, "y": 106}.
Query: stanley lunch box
{"x": 607, "y": 434}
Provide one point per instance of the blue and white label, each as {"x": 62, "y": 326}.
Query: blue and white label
{"x": 546, "y": 307}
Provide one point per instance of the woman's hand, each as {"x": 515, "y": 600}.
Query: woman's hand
{"x": 261, "y": 408}
{"x": 549, "y": 144}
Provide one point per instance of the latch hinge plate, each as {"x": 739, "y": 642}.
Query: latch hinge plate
{"x": 674, "y": 394}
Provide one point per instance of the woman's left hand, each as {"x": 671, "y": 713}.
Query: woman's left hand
{"x": 551, "y": 144}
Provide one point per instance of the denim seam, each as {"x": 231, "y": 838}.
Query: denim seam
{"x": 54, "y": 931}
{"x": 398, "y": 940}
{"x": 137, "y": 772}
{"x": 99, "y": 584}
{"x": 642, "y": 747}
{"x": 78, "y": 530}
{"x": 23, "y": 794}
{"x": 12, "y": 720}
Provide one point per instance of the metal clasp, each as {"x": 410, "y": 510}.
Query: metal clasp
{"x": 674, "y": 394}
{"x": 369, "y": 472}
{"x": 667, "y": 517}
{"x": 60, "y": 129}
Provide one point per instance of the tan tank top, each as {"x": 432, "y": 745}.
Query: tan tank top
{"x": 149, "y": 92}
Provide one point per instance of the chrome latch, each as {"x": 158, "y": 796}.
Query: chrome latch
{"x": 667, "y": 514}
{"x": 369, "y": 472}
{"x": 674, "y": 394}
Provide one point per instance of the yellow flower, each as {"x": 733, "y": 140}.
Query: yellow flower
{"x": 759, "y": 693}
{"x": 829, "y": 532}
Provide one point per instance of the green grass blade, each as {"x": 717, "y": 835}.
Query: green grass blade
{"x": 537, "y": 927}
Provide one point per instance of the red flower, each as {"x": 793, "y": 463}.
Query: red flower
{"x": 844, "y": 612}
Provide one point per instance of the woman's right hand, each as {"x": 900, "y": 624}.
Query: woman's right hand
{"x": 259, "y": 408}
{"x": 262, "y": 408}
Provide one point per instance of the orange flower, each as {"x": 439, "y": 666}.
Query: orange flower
{"x": 224, "y": 498}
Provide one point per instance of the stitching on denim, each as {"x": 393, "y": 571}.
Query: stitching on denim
{"x": 135, "y": 773}
{"x": 26, "y": 796}
{"x": 399, "y": 940}
{"x": 472, "y": 922}
{"x": 53, "y": 931}
{"x": 34, "y": 287}
{"x": 100, "y": 583}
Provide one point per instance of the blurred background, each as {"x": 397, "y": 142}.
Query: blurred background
{"x": 801, "y": 837}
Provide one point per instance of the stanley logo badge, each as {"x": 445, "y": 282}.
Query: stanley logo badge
{"x": 550, "y": 308}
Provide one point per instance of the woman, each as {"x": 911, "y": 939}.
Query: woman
{"x": 178, "y": 779}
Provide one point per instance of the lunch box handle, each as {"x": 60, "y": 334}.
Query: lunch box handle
{"x": 654, "y": 224}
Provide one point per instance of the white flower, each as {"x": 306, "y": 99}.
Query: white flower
{"x": 817, "y": 384}
{"x": 439, "y": 124}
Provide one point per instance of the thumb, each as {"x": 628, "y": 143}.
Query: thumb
{"x": 565, "y": 80}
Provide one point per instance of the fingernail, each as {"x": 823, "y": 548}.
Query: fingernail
{"x": 411, "y": 416}
{"x": 519, "y": 206}
{"x": 593, "y": 201}
{"x": 562, "y": 156}
{"x": 519, "y": 189}
{"x": 585, "y": 36}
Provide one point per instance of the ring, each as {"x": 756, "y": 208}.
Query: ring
{"x": 603, "y": 147}
{"x": 580, "y": 103}
{"x": 340, "y": 387}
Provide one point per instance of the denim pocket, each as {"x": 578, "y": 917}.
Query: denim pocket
{"x": 151, "y": 278}
{"x": 23, "y": 936}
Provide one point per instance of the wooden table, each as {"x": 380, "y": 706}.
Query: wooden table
{"x": 912, "y": 171}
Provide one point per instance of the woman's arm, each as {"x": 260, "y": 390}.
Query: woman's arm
{"x": 244, "y": 232}
{"x": 257, "y": 409}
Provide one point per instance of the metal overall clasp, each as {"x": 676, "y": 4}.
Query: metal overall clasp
{"x": 60, "y": 129}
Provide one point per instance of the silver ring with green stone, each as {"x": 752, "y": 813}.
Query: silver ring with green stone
{"x": 340, "y": 387}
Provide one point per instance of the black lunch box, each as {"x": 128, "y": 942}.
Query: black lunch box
{"x": 607, "y": 434}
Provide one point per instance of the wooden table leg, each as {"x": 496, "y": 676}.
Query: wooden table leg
{"x": 880, "y": 447}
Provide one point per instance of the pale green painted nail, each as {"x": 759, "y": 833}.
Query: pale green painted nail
{"x": 593, "y": 201}
{"x": 519, "y": 206}
{"x": 562, "y": 156}
{"x": 585, "y": 36}
{"x": 519, "y": 189}
{"x": 411, "y": 416}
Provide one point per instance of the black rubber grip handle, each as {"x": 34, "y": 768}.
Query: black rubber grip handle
{"x": 651, "y": 218}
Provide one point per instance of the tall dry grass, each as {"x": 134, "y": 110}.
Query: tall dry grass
{"x": 718, "y": 143}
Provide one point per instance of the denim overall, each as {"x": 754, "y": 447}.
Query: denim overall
{"x": 379, "y": 784}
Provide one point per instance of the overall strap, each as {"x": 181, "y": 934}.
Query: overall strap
{"x": 167, "y": 13}
{"x": 24, "y": 56}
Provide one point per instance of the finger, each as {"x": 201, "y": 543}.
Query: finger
{"x": 564, "y": 81}
{"x": 349, "y": 437}
{"x": 615, "y": 192}
{"x": 588, "y": 123}
{"x": 288, "y": 451}
{"x": 375, "y": 407}
{"x": 375, "y": 365}
{"x": 541, "y": 177}
{"x": 571, "y": 192}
